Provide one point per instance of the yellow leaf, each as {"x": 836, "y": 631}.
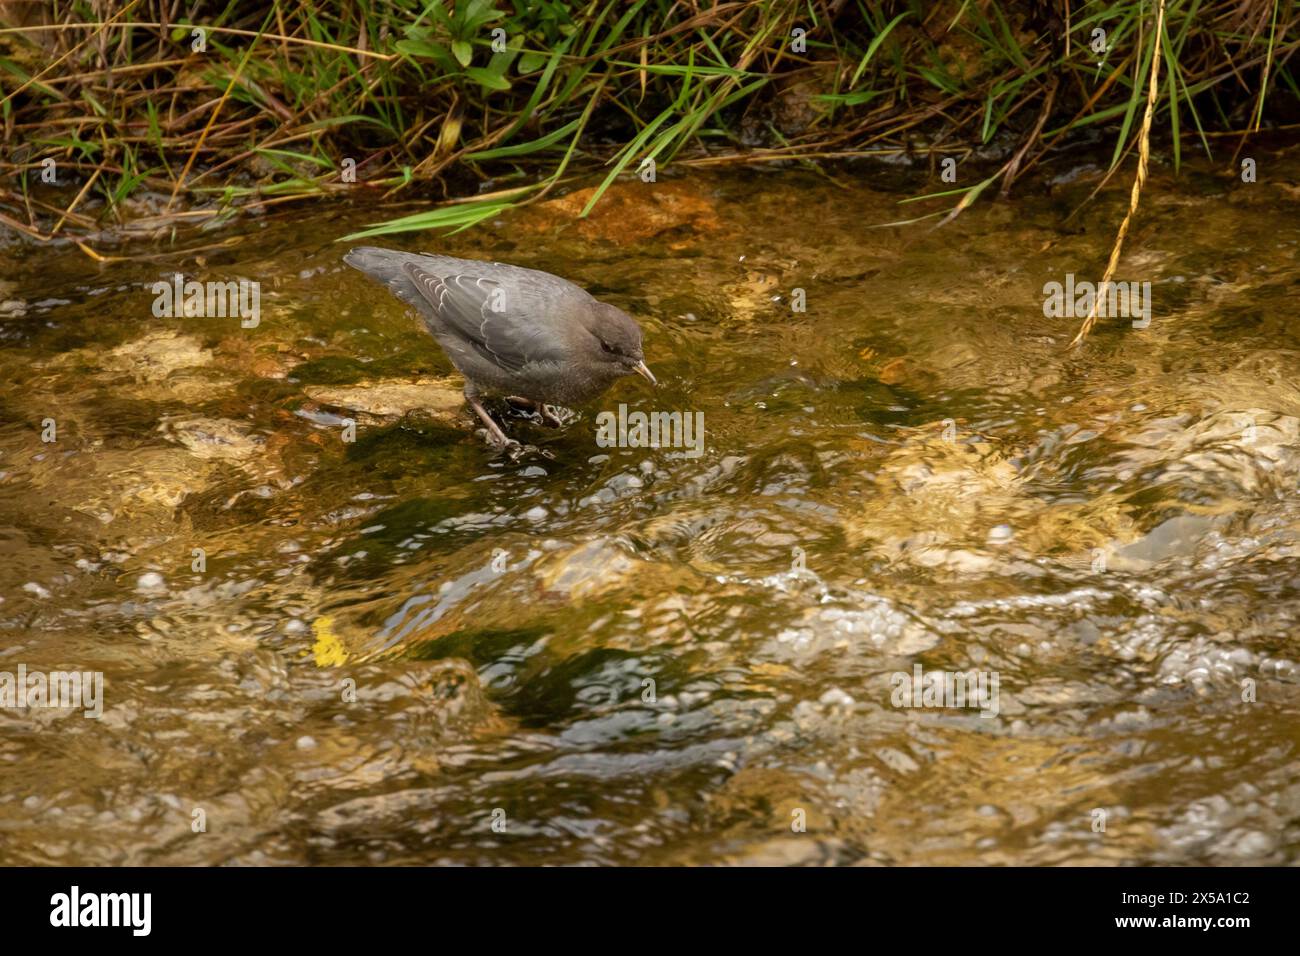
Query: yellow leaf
{"x": 328, "y": 648}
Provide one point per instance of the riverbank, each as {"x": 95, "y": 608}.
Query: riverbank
{"x": 134, "y": 125}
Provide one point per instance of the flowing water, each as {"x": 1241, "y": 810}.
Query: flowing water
{"x": 407, "y": 648}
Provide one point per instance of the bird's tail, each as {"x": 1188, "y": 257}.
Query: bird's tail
{"x": 385, "y": 265}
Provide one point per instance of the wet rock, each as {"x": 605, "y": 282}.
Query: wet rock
{"x": 213, "y": 438}
{"x": 1244, "y": 452}
{"x": 157, "y": 355}
{"x": 388, "y": 399}
{"x": 628, "y": 212}
{"x": 868, "y": 624}
{"x": 144, "y": 484}
{"x": 903, "y": 370}
{"x": 586, "y": 571}
{"x": 150, "y": 581}
{"x": 162, "y": 366}
{"x": 251, "y": 355}
{"x": 758, "y": 294}
{"x": 1081, "y": 533}
{"x": 1180, "y": 536}
{"x": 797, "y": 104}
{"x": 942, "y": 497}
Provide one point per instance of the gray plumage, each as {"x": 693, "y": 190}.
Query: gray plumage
{"x": 512, "y": 331}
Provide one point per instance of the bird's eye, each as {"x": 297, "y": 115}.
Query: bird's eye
{"x": 608, "y": 348}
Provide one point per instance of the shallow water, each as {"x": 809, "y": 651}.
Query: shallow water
{"x": 408, "y": 649}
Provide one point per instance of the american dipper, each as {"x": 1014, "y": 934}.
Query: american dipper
{"x": 519, "y": 333}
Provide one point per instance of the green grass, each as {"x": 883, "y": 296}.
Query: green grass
{"x": 416, "y": 94}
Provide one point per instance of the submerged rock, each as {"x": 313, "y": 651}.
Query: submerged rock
{"x": 868, "y": 624}
{"x": 213, "y": 437}
{"x": 392, "y": 398}
{"x": 1245, "y": 452}
{"x": 161, "y": 366}
{"x": 937, "y": 499}
{"x": 629, "y": 212}
{"x": 1180, "y": 536}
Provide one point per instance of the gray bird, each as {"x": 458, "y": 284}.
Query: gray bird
{"x": 518, "y": 333}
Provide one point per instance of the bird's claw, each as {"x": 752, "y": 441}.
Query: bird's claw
{"x": 514, "y": 450}
{"x": 504, "y": 444}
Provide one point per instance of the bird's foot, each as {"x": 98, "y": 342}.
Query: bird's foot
{"x": 505, "y": 445}
{"x": 495, "y": 435}
{"x": 546, "y": 414}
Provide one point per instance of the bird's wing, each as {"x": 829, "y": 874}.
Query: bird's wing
{"x": 480, "y": 311}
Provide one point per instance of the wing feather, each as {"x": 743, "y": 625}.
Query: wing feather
{"x": 480, "y": 311}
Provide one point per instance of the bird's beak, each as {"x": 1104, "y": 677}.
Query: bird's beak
{"x": 645, "y": 373}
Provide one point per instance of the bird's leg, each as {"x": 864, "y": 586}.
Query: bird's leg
{"x": 522, "y": 404}
{"x": 545, "y": 412}
{"x": 495, "y": 434}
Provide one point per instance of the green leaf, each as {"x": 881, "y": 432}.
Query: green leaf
{"x": 331, "y": 121}
{"x": 23, "y": 75}
{"x": 1136, "y": 96}
{"x": 523, "y": 149}
{"x": 539, "y": 90}
{"x": 487, "y": 79}
{"x": 301, "y": 157}
{"x": 462, "y": 51}
{"x": 849, "y": 99}
{"x": 871, "y": 50}
{"x": 456, "y": 217}
{"x": 499, "y": 65}
{"x": 418, "y": 49}
{"x": 531, "y": 62}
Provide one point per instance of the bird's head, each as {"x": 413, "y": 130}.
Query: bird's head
{"x": 620, "y": 340}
